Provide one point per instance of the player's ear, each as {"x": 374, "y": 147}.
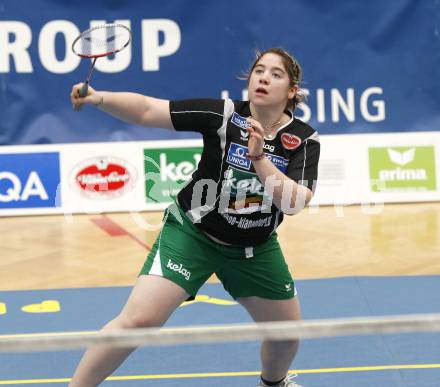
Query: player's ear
{"x": 292, "y": 91}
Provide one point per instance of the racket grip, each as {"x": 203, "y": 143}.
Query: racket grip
{"x": 84, "y": 89}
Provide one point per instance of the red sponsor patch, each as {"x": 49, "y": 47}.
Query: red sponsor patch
{"x": 290, "y": 141}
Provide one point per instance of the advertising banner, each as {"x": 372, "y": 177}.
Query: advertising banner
{"x": 30, "y": 180}
{"x": 167, "y": 170}
{"x": 99, "y": 178}
{"x": 369, "y": 67}
{"x": 402, "y": 169}
{"x": 142, "y": 176}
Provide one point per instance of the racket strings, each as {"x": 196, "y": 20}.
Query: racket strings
{"x": 102, "y": 40}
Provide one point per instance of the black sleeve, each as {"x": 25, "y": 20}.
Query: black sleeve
{"x": 197, "y": 115}
{"x": 303, "y": 166}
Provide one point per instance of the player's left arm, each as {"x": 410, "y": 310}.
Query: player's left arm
{"x": 288, "y": 195}
{"x": 290, "y": 192}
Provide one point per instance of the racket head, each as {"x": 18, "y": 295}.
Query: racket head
{"x": 103, "y": 40}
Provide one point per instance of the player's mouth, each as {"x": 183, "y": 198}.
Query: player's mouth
{"x": 261, "y": 91}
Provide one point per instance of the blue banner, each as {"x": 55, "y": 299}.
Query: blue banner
{"x": 368, "y": 66}
{"x": 29, "y": 180}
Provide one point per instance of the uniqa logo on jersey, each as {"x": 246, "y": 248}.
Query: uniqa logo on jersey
{"x": 237, "y": 156}
{"x": 29, "y": 180}
{"x": 103, "y": 177}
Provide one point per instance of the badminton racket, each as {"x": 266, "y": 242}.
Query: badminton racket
{"x": 97, "y": 42}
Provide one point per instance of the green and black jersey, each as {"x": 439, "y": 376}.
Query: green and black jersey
{"x": 225, "y": 197}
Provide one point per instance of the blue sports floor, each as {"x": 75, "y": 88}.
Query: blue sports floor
{"x": 409, "y": 360}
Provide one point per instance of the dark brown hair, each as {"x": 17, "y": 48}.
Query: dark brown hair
{"x": 293, "y": 68}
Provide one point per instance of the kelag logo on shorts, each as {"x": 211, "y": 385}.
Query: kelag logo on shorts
{"x": 402, "y": 169}
{"x": 29, "y": 180}
{"x": 167, "y": 170}
{"x": 237, "y": 156}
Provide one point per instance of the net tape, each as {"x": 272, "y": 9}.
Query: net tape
{"x": 283, "y": 330}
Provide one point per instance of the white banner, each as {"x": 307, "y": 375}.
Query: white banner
{"x": 371, "y": 169}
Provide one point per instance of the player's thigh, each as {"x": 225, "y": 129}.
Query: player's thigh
{"x": 262, "y": 309}
{"x": 181, "y": 254}
{"x": 152, "y": 301}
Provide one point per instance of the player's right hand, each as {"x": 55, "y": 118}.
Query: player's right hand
{"x": 92, "y": 97}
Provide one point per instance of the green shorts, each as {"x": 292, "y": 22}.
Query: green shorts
{"x": 186, "y": 256}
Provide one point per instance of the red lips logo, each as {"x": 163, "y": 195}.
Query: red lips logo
{"x": 290, "y": 141}
{"x": 112, "y": 178}
{"x": 104, "y": 177}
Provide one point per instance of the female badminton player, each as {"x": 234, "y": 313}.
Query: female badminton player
{"x": 259, "y": 163}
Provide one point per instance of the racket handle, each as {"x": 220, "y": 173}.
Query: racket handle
{"x": 84, "y": 89}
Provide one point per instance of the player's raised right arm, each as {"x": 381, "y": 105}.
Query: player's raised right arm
{"x": 129, "y": 107}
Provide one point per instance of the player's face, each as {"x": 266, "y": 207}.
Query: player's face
{"x": 269, "y": 83}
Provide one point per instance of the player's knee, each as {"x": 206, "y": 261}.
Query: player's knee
{"x": 138, "y": 320}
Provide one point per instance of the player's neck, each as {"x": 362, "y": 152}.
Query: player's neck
{"x": 269, "y": 118}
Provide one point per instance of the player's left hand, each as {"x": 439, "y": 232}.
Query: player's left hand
{"x": 256, "y": 137}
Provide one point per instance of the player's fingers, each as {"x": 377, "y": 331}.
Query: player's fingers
{"x": 257, "y": 137}
{"x": 255, "y": 125}
{"x": 75, "y": 94}
{"x": 92, "y": 97}
{"x": 76, "y": 107}
{"x": 75, "y": 90}
{"x": 255, "y": 132}
{"x": 75, "y": 99}
{"x": 76, "y": 103}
